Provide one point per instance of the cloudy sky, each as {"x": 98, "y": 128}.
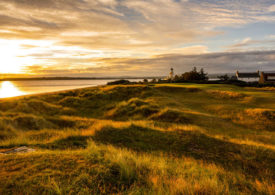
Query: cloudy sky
{"x": 135, "y": 37}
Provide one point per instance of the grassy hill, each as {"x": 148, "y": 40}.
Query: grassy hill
{"x": 140, "y": 139}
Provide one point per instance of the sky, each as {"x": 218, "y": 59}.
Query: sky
{"x": 101, "y": 38}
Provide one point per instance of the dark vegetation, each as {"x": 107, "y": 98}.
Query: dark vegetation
{"x": 201, "y": 77}
{"x": 119, "y": 82}
{"x": 191, "y": 76}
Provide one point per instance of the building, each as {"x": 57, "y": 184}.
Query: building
{"x": 248, "y": 76}
{"x": 171, "y": 75}
{"x": 267, "y": 77}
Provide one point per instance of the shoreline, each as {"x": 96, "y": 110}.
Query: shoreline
{"x": 45, "y": 86}
{"x": 48, "y": 93}
{"x": 75, "y": 78}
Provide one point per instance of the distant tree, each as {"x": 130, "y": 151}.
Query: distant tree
{"x": 119, "y": 82}
{"x": 145, "y": 80}
{"x": 233, "y": 78}
{"x": 176, "y": 78}
{"x": 169, "y": 80}
{"x": 193, "y": 75}
{"x": 203, "y": 75}
{"x": 153, "y": 80}
{"x": 159, "y": 80}
{"x": 224, "y": 77}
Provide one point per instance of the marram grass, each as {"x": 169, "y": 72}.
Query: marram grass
{"x": 139, "y": 139}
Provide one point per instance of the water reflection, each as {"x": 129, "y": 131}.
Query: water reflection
{"x": 8, "y": 89}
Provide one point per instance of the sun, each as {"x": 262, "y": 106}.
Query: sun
{"x": 10, "y": 64}
{"x": 13, "y": 57}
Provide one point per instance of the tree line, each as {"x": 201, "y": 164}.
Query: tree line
{"x": 192, "y": 76}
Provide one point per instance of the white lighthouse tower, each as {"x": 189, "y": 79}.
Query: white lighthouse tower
{"x": 171, "y": 75}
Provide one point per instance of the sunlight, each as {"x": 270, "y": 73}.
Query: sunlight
{"x": 8, "y": 89}
{"x": 20, "y": 56}
{"x": 10, "y": 63}
{"x": 13, "y": 57}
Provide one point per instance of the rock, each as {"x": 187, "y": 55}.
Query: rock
{"x": 23, "y": 149}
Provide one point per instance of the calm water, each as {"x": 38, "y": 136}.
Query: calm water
{"x": 18, "y": 88}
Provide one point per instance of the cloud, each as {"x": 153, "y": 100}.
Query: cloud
{"x": 194, "y": 49}
{"x": 125, "y": 36}
{"x": 271, "y": 8}
{"x": 107, "y": 23}
{"x": 160, "y": 64}
{"x": 271, "y": 36}
{"x": 247, "y": 43}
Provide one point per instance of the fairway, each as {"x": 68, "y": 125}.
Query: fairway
{"x": 140, "y": 139}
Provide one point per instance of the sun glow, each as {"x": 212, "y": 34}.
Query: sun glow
{"x": 8, "y": 89}
{"x": 13, "y": 57}
{"x": 10, "y": 64}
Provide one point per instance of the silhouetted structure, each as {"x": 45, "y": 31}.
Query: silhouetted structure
{"x": 267, "y": 77}
{"x": 171, "y": 75}
{"x": 248, "y": 76}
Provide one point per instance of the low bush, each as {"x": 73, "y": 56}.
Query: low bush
{"x": 119, "y": 82}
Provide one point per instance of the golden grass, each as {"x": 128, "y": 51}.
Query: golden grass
{"x": 225, "y": 94}
{"x": 138, "y": 139}
{"x": 94, "y": 169}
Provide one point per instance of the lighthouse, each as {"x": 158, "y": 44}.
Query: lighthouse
{"x": 171, "y": 75}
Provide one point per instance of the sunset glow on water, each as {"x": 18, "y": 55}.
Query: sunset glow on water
{"x": 19, "y": 88}
{"x": 8, "y": 89}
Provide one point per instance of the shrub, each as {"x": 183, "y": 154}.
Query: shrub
{"x": 119, "y": 82}
{"x": 224, "y": 77}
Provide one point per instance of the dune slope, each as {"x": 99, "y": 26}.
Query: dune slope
{"x": 140, "y": 139}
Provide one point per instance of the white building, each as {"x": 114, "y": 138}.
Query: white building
{"x": 248, "y": 76}
{"x": 171, "y": 75}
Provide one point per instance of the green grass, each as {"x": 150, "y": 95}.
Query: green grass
{"x": 140, "y": 139}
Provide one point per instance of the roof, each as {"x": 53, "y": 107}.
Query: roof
{"x": 248, "y": 75}
{"x": 268, "y": 73}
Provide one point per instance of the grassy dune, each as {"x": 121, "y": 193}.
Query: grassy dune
{"x": 140, "y": 139}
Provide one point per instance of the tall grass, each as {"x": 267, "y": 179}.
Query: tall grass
{"x": 163, "y": 139}
{"x": 104, "y": 169}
